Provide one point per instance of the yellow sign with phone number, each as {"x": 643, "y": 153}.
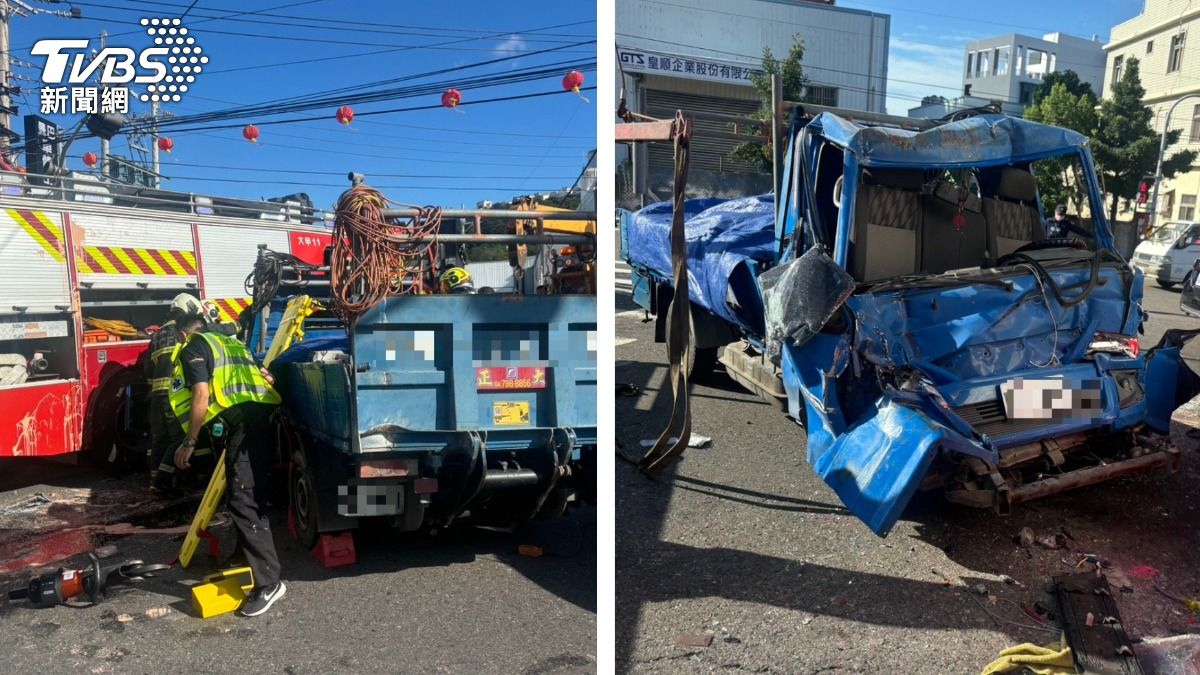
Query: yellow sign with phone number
{"x": 510, "y": 413}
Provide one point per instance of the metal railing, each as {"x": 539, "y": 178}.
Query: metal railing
{"x": 81, "y": 189}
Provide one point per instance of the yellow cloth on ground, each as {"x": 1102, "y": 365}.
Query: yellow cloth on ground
{"x": 1053, "y": 660}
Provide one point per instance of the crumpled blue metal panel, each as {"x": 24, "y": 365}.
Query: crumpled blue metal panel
{"x": 985, "y": 140}
{"x": 1169, "y": 383}
{"x": 876, "y": 466}
{"x": 974, "y": 331}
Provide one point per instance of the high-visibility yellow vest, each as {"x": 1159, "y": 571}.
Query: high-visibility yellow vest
{"x": 235, "y": 379}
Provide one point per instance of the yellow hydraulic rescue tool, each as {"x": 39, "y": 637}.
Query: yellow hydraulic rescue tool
{"x": 290, "y": 331}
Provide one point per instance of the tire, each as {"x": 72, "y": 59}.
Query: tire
{"x": 304, "y": 512}
{"x": 698, "y": 362}
{"x": 116, "y": 447}
{"x": 1167, "y": 285}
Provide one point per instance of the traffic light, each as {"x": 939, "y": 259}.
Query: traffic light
{"x": 1144, "y": 189}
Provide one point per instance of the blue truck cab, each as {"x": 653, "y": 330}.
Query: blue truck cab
{"x": 432, "y": 409}
{"x": 900, "y": 299}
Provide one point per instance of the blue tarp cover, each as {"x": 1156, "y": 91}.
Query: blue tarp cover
{"x": 975, "y": 141}
{"x": 720, "y": 235}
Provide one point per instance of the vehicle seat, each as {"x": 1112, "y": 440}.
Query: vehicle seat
{"x": 1012, "y": 215}
{"x": 944, "y": 245}
{"x": 887, "y": 223}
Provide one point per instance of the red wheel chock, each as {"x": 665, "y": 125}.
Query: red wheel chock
{"x": 335, "y": 550}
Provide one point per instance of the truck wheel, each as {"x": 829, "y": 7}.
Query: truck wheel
{"x": 1168, "y": 285}
{"x": 120, "y": 432}
{"x": 302, "y": 500}
{"x": 699, "y": 361}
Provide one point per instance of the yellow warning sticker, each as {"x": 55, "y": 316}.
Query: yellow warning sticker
{"x": 510, "y": 413}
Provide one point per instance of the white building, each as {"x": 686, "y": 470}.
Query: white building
{"x": 699, "y": 56}
{"x": 1009, "y": 68}
{"x": 1164, "y": 39}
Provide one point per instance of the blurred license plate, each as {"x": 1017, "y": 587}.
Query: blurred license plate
{"x": 510, "y": 413}
{"x": 1050, "y": 399}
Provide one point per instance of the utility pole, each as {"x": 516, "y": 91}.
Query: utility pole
{"x": 1162, "y": 150}
{"x": 103, "y": 141}
{"x": 154, "y": 138}
{"x": 5, "y": 78}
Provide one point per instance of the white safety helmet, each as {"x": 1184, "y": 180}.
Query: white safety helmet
{"x": 211, "y": 312}
{"x": 185, "y": 304}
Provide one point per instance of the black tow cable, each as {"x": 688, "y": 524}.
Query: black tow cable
{"x": 1094, "y": 278}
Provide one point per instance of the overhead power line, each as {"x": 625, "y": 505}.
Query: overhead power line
{"x": 317, "y": 102}
{"x": 424, "y": 29}
{"x": 361, "y": 86}
{"x": 309, "y": 172}
{"x": 318, "y": 24}
{"x": 426, "y": 138}
{"x": 424, "y": 158}
{"x": 310, "y": 118}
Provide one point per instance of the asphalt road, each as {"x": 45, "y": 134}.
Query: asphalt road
{"x": 463, "y": 601}
{"x": 742, "y": 542}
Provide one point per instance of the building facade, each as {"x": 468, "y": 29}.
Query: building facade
{"x": 1165, "y": 39}
{"x": 1007, "y": 69}
{"x": 700, "y": 56}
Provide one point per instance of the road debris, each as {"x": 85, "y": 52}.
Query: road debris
{"x": 1192, "y": 604}
{"x": 694, "y": 441}
{"x": 1093, "y": 625}
{"x": 694, "y": 640}
{"x": 1024, "y": 537}
{"x": 530, "y": 551}
{"x": 1054, "y": 659}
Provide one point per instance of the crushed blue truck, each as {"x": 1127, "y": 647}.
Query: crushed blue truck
{"x": 899, "y": 299}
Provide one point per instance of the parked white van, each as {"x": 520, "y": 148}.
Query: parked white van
{"x": 1168, "y": 253}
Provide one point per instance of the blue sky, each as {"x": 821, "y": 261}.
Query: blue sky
{"x": 444, "y": 157}
{"x": 928, "y": 36}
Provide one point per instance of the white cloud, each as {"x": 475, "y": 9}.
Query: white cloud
{"x": 511, "y": 46}
{"x": 918, "y": 69}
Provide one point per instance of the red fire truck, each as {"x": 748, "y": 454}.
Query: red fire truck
{"x": 73, "y": 249}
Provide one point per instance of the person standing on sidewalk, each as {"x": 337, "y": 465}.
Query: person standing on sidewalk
{"x": 217, "y": 384}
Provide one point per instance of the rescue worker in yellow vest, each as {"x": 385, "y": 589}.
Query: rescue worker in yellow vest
{"x": 218, "y": 385}
{"x": 165, "y": 433}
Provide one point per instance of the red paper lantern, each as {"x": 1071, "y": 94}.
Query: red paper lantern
{"x": 572, "y": 81}
{"x": 165, "y": 144}
{"x": 90, "y": 159}
{"x": 345, "y": 115}
{"x": 451, "y": 98}
{"x": 250, "y": 133}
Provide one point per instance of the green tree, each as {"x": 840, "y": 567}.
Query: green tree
{"x": 794, "y": 84}
{"x": 1125, "y": 144}
{"x": 1059, "y": 180}
{"x": 1067, "y": 77}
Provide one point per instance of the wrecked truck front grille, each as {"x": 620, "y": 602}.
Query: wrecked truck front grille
{"x": 988, "y": 418}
